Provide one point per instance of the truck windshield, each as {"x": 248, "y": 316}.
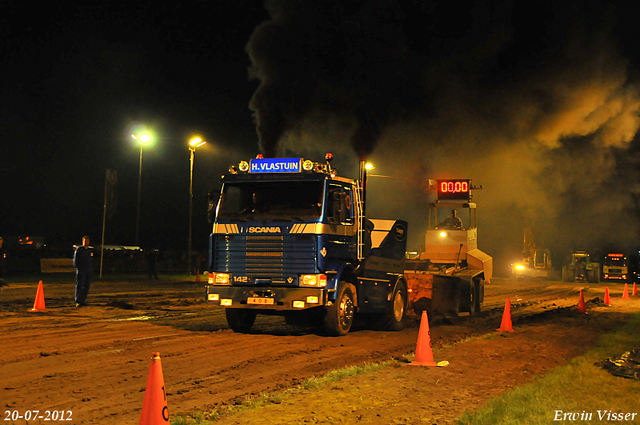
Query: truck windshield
{"x": 271, "y": 200}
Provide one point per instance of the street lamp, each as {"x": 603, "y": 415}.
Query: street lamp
{"x": 143, "y": 140}
{"x": 194, "y": 143}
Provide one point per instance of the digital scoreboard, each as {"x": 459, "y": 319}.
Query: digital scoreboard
{"x": 454, "y": 190}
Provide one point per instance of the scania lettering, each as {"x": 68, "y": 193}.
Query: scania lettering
{"x": 290, "y": 238}
{"x": 264, "y": 230}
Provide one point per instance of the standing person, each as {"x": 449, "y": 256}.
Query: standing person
{"x": 84, "y": 271}
{"x": 151, "y": 260}
{"x": 3, "y": 264}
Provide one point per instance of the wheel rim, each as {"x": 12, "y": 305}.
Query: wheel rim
{"x": 398, "y": 306}
{"x": 346, "y": 311}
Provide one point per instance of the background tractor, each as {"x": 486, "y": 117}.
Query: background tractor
{"x": 579, "y": 267}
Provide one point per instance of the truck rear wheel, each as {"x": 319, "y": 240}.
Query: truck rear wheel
{"x": 393, "y": 319}
{"x": 240, "y": 320}
{"x": 339, "y": 317}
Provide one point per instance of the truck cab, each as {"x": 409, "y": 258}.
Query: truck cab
{"x": 614, "y": 267}
{"x": 290, "y": 238}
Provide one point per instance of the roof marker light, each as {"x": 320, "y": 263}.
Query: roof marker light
{"x": 307, "y": 165}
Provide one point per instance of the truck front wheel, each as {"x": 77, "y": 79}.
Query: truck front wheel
{"x": 240, "y": 320}
{"x": 339, "y": 317}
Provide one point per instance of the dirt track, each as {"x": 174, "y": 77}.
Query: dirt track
{"x": 94, "y": 361}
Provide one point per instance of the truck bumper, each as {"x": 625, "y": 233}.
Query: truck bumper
{"x": 266, "y": 298}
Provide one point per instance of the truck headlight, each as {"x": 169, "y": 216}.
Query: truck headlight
{"x": 314, "y": 280}
{"x": 520, "y": 267}
{"x": 220, "y": 278}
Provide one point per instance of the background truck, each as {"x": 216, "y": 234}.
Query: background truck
{"x": 290, "y": 238}
{"x": 536, "y": 262}
{"x": 579, "y": 267}
{"x": 448, "y": 275}
{"x": 614, "y": 267}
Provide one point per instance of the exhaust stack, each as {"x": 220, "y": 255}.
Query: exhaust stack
{"x": 363, "y": 185}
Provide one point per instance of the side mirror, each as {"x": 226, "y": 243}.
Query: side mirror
{"x": 212, "y": 198}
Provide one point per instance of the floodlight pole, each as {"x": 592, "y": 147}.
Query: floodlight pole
{"x": 192, "y": 154}
{"x": 139, "y": 191}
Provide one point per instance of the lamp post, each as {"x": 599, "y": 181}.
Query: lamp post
{"x": 144, "y": 139}
{"x": 194, "y": 143}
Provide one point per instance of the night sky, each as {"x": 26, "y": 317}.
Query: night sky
{"x": 537, "y": 102}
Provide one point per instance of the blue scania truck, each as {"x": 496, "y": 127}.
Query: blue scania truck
{"x": 290, "y": 238}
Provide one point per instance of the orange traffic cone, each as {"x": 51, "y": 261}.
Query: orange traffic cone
{"x": 154, "y": 405}
{"x": 38, "y": 304}
{"x": 582, "y": 308}
{"x": 635, "y": 291}
{"x": 607, "y": 297}
{"x": 198, "y": 276}
{"x": 424, "y": 353}
{"x": 506, "y": 325}
{"x": 625, "y": 294}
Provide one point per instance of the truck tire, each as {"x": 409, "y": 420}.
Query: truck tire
{"x": 477, "y": 297}
{"x": 339, "y": 317}
{"x": 240, "y": 320}
{"x": 393, "y": 319}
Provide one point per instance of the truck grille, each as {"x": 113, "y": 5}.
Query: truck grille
{"x": 265, "y": 256}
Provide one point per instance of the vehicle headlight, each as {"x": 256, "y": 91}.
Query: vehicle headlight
{"x": 520, "y": 267}
{"x": 443, "y": 234}
{"x": 314, "y": 280}
{"x": 220, "y": 278}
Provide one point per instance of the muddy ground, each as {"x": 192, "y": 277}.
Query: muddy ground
{"x": 93, "y": 361}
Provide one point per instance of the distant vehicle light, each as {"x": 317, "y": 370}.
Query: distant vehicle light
{"x": 520, "y": 267}
{"x": 443, "y": 234}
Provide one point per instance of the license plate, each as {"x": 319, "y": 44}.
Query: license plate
{"x": 261, "y": 301}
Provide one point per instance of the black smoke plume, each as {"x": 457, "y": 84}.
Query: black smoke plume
{"x": 536, "y": 101}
